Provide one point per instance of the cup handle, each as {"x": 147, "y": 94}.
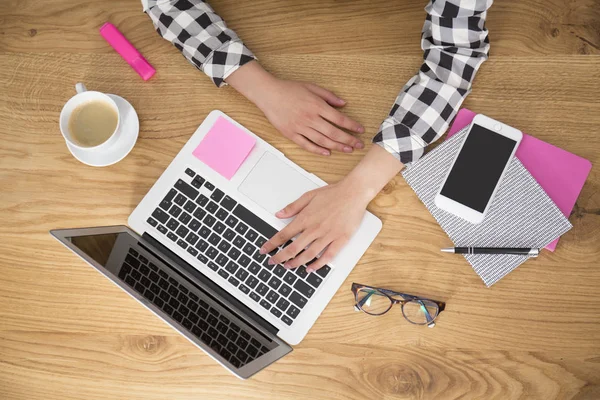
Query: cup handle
{"x": 80, "y": 88}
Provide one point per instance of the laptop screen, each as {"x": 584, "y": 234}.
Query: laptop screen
{"x": 195, "y": 312}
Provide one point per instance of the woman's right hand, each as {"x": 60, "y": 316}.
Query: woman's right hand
{"x": 303, "y": 112}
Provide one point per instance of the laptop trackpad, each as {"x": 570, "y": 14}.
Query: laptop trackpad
{"x": 273, "y": 184}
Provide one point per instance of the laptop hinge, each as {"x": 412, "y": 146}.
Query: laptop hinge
{"x": 209, "y": 287}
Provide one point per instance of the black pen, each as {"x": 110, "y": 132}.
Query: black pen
{"x": 522, "y": 251}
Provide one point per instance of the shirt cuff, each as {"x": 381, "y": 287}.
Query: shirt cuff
{"x": 398, "y": 140}
{"x": 226, "y": 60}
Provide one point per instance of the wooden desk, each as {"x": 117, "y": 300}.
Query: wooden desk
{"x": 68, "y": 333}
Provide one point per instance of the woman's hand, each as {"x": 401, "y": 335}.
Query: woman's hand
{"x": 303, "y": 112}
{"x": 327, "y": 217}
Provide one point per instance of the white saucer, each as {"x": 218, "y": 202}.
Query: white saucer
{"x": 129, "y": 130}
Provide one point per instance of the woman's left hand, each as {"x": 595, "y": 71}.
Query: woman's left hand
{"x": 326, "y": 218}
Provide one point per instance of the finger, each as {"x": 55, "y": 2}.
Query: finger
{"x": 336, "y": 134}
{"x": 324, "y": 141}
{"x": 310, "y": 146}
{"x": 292, "y": 249}
{"x": 327, "y": 256}
{"x": 341, "y": 120}
{"x": 326, "y": 95}
{"x": 281, "y": 237}
{"x": 311, "y": 252}
{"x": 295, "y": 207}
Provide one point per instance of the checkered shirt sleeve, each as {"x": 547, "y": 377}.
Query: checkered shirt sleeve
{"x": 201, "y": 35}
{"x": 455, "y": 44}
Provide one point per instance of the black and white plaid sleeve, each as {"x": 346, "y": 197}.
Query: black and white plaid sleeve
{"x": 455, "y": 44}
{"x": 200, "y": 34}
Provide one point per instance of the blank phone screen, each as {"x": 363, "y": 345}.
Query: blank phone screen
{"x": 478, "y": 168}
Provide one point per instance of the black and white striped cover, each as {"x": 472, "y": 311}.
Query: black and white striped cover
{"x": 521, "y": 215}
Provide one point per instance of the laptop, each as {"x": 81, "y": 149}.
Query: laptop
{"x": 190, "y": 255}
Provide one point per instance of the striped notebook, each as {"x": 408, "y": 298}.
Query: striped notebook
{"x": 521, "y": 215}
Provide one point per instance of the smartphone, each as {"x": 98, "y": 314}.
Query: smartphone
{"x": 476, "y": 173}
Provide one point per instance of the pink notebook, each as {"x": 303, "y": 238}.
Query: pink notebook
{"x": 560, "y": 173}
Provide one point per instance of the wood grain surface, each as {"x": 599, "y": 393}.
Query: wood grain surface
{"x": 68, "y": 333}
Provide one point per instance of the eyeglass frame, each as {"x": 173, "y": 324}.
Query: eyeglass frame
{"x": 406, "y": 298}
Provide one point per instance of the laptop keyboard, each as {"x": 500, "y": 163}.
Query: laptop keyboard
{"x": 164, "y": 288}
{"x": 226, "y": 236}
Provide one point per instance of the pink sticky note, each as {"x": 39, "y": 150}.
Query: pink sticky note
{"x": 225, "y": 147}
{"x": 561, "y": 174}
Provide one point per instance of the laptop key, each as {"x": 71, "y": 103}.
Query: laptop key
{"x": 233, "y": 281}
{"x": 194, "y": 225}
{"x": 160, "y": 215}
{"x": 192, "y": 251}
{"x": 214, "y": 239}
{"x": 314, "y": 279}
{"x": 224, "y": 246}
{"x": 251, "y": 282}
{"x": 189, "y": 172}
{"x": 251, "y": 235}
{"x": 282, "y": 304}
{"x": 132, "y": 261}
{"x": 182, "y": 231}
{"x": 233, "y": 253}
{"x": 162, "y": 229}
{"x": 242, "y": 274}
{"x": 264, "y": 275}
{"x": 254, "y": 268}
{"x": 180, "y": 199}
{"x": 231, "y": 221}
{"x": 239, "y": 242}
{"x": 202, "y": 258}
{"x": 168, "y": 309}
{"x": 221, "y": 214}
{"x": 172, "y": 236}
{"x": 184, "y": 218}
{"x": 255, "y": 222}
{"x": 223, "y": 274}
{"x": 202, "y": 245}
{"x": 323, "y": 271}
{"x": 287, "y": 320}
{"x": 222, "y": 260}
{"x": 209, "y": 220}
{"x": 209, "y": 185}
{"x": 186, "y": 189}
{"x": 213, "y": 266}
{"x": 241, "y": 228}
{"x": 163, "y": 284}
{"x": 272, "y": 297}
{"x": 254, "y": 296}
{"x": 175, "y": 211}
{"x": 192, "y": 238}
{"x": 181, "y": 243}
{"x": 290, "y": 277}
{"x": 285, "y": 290}
{"x": 260, "y": 241}
{"x": 189, "y": 206}
{"x": 265, "y": 304}
{"x": 276, "y": 312}
{"x": 252, "y": 351}
{"x": 297, "y": 299}
{"x": 130, "y": 281}
{"x": 170, "y": 195}
{"x": 244, "y": 289}
{"x": 274, "y": 282}
{"x": 232, "y": 267}
{"x": 211, "y": 253}
{"x": 217, "y": 195}
{"x": 202, "y": 200}
{"x": 159, "y": 302}
{"x": 212, "y": 207}
{"x": 199, "y": 213}
{"x": 249, "y": 248}
{"x": 219, "y": 227}
{"x": 228, "y": 203}
{"x": 304, "y": 288}
{"x": 293, "y": 312}
{"x": 152, "y": 221}
{"x": 197, "y": 182}
{"x": 172, "y": 224}
{"x": 301, "y": 271}
{"x": 204, "y": 232}
{"x": 229, "y": 234}
{"x": 279, "y": 270}
{"x": 262, "y": 289}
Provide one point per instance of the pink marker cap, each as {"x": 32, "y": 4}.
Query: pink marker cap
{"x": 126, "y": 50}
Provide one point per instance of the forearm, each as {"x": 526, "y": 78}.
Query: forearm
{"x": 251, "y": 80}
{"x": 372, "y": 173}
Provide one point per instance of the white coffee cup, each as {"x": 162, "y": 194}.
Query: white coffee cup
{"x": 85, "y": 96}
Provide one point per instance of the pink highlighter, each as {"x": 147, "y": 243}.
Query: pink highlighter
{"x": 129, "y": 53}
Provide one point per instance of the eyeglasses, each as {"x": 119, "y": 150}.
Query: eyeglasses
{"x": 378, "y": 301}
